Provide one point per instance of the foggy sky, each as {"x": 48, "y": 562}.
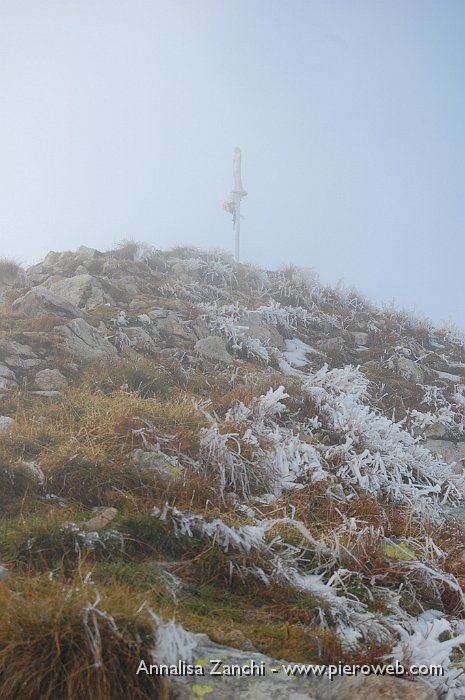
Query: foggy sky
{"x": 119, "y": 119}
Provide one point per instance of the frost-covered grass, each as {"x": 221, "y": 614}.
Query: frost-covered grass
{"x": 375, "y": 453}
{"x": 301, "y": 513}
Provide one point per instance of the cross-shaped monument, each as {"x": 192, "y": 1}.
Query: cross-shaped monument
{"x": 232, "y": 203}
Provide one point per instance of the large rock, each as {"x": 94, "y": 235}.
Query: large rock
{"x": 335, "y": 344}
{"x": 449, "y": 452}
{"x": 213, "y": 348}
{"x": 171, "y": 330}
{"x": 11, "y": 347}
{"x": 84, "y": 342}
{"x": 157, "y": 462}
{"x": 50, "y": 379}
{"x": 141, "y": 340}
{"x": 200, "y": 329}
{"x": 266, "y": 333}
{"x": 411, "y": 370}
{"x": 85, "y": 252}
{"x": 360, "y": 338}
{"x": 103, "y": 517}
{"x": 7, "y": 385}
{"x": 437, "y": 431}
{"x": 83, "y": 291}
{"x": 17, "y": 355}
{"x": 277, "y": 685}
{"x": 6, "y": 372}
{"x": 6, "y": 425}
{"x": 40, "y": 300}
{"x": 7, "y": 379}
{"x": 15, "y": 362}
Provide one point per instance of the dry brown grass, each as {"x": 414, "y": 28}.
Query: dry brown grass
{"x": 11, "y": 273}
{"x": 84, "y": 441}
{"x": 145, "y": 377}
{"x": 57, "y": 643}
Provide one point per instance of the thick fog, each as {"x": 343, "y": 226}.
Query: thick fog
{"x": 119, "y": 119}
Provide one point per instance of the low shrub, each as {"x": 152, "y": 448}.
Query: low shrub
{"x": 11, "y": 273}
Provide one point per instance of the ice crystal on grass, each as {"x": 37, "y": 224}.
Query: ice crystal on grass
{"x": 377, "y": 454}
{"x": 280, "y": 565}
{"x": 173, "y": 642}
{"x": 92, "y": 614}
{"x": 435, "y": 640}
{"x": 278, "y": 459}
{"x": 243, "y": 539}
{"x": 225, "y": 321}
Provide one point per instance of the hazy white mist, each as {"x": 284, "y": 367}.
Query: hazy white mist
{"x": 119, "y": 118}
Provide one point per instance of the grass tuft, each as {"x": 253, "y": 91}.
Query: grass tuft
{"x": 74, "y": 645}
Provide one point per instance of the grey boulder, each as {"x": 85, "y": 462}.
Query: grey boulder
{"x": 84, "y": 291}
{"x": 7, "y": 379}
{"x": 40, "y": 300}
{"x": 85, "y": 342}
{"x": 277, "y": 685}
{"x": 49, "y": 380}
{"x": 449, "y": 452}
{"x": 213, "y": 348}
{"x": 411, "y": 370}
{"x": 6, "y": 425}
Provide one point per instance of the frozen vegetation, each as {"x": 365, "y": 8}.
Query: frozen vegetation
{"x": 253, "y": 437}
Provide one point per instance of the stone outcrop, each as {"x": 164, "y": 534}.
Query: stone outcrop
{"x": 7, "y": 379}
{"x": 411, "y": 370}
{"x": 171, "y": 330}
{"x": 83, "y": 291}
{"x": 448, "y": 451}
{"x": 334, "y": 344}
{"x": 12, "y": 274}
{"x": 103, "y": 517}
{"x": 40, "y": 300}
{"x": 213, "y": 348}
{"x": 50, "y": 379}
{"x": 266, "y": 333}
{"x": 6, "y": 425}
{"x": 360, "y": 338}
{"x": 141, "y": 340}
{"x": 85, "y": 342}
{"x": 280, "y": 686}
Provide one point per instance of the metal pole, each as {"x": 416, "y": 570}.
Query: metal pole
{"x": 232, "y": 204}
{"x": 237, "y": 230}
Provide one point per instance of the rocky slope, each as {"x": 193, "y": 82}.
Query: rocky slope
{"x": 274, "y": 463}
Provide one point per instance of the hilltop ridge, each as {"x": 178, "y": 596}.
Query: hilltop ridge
{"x": 211, "y": 438}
